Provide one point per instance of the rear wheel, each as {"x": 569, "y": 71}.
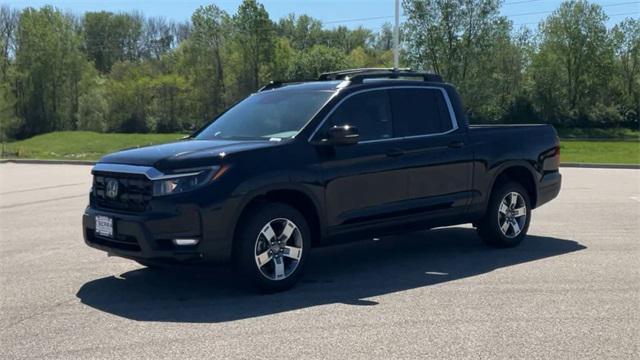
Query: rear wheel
{"x": 507, "y": 218}
{"x": 272, "y": 246}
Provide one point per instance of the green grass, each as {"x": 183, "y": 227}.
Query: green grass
{"x": 80, "y": 145}
{"x": 595, "y": 133}
{"x": 600, "y": 152}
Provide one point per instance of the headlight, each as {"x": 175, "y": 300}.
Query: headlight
{"x": 179, "y": 183}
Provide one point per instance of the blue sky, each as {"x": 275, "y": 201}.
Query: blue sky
{"x": 332, "y": 12}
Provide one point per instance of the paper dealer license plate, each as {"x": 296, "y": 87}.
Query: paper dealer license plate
{"x": 104, "y": 226}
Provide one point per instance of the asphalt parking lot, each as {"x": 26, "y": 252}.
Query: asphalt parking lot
{"x": 571, "y": 290}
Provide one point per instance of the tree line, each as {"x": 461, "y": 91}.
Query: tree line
{"x": 124, "y": 72}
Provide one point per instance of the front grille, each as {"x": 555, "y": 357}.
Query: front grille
{"x": 134, "y": 191}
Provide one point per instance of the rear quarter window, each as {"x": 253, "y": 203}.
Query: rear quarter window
{"x": 419, "y": 112}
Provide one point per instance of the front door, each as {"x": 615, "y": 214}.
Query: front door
{"x": 365, "y": 181}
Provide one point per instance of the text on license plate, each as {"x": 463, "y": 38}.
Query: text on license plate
{"x": 104, "y": 226}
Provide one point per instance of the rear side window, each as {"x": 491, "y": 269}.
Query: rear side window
{"x": 369, "y": 112}
{"x": 419, "y": 112}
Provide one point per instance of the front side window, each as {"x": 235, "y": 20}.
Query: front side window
{"x": 267, "y": 115}
{"x": 369, "y": 112}
{"x": 420, "y": 111}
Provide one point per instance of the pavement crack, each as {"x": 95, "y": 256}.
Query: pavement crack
{"x": 41, "y": 201}
{"x": 40, "y": 188}
{"x": 34, "y": 315}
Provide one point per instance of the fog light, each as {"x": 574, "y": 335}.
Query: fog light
{"x": 185, "y": 242}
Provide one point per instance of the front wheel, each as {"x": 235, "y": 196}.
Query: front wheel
{"x": 272, "y": 245}
{"x": 507, "y": 218}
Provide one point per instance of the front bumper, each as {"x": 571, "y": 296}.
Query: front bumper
{"x": 144, "y": 236}
{"x": 149, "y": 235}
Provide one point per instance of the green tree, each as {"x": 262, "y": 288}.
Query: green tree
{"x": 157, "y": 38}
{"x": 471, "y": 46}
{"x": 8, "y": 26}
{"x": 358, "y": 58}
{"x": 253, "y": 39}
{"x": 310, "y": 64}
{"x": 208, "y": 46}
{"x": 49, "y": 68}
{"x": 9, "y": 122}
{"x": 128, "y": 92}
{"x": 384, "y": 39}
{"x": 202, "y": 62}
{"x": 110, "y": 37}
{"x": 168, "y": 102}
{"x": 497, "y": 81}
{"x": 448, "y": 36}
{"x": 283, "y": 56}
{"x": 572, "y": 68}
{"x": 303, "y": 32}
{"x": 140, "y": 97}
{"x": 369, "y": 57}
{"x": 626, "y": 41}
{"x": 93, "y": 107}
{"x": 347, "y": 40}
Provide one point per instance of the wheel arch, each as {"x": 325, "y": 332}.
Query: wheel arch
{"x": 296, "y": 197}
{"x": 521, "y": 173}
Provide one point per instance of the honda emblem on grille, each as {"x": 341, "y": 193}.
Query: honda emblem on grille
{"x": 111, "y": 189}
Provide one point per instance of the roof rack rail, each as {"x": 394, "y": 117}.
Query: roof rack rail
{"x": 274, "y": 84}
{"x": 356, "y": 76}
{"x": 341, "y": 74}
{"x": 271, "y": 85}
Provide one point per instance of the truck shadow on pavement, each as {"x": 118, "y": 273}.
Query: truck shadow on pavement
{"x": 348, "y": 274}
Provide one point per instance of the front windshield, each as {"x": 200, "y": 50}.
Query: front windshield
{"x": 270, "y": 115}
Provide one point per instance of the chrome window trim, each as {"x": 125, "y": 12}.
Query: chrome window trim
{"x": 452, "y": 115}
{"x": 150, "y": 172}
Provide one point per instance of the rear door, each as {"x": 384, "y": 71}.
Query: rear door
{"x": 435, "y": 148}
{"x": 365, "y": 181}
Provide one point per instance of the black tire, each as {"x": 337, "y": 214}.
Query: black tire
{"x": 250, "y": 241}
{"x": 489, "y": 227}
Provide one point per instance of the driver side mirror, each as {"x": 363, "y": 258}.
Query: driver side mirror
{"x": 343, "y": 135}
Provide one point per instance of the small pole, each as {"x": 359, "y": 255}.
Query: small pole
{"x": 1, "y": 140}
{"x": 396, "y": 38}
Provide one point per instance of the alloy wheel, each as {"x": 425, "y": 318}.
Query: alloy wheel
{"x": 512, "y": 214}
{"x": 278, "y": 249}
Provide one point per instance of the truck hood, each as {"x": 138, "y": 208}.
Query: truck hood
{"x": 183, "y": 154}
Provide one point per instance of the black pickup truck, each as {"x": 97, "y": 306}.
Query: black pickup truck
{"x": 358, "y": 153}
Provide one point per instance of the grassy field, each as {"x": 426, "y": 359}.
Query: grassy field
{"x": 76, "y": 145}
{"x": 600, "y": 152}
{"x": 80, "y": 145}
{"x": 602, "y": 134}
